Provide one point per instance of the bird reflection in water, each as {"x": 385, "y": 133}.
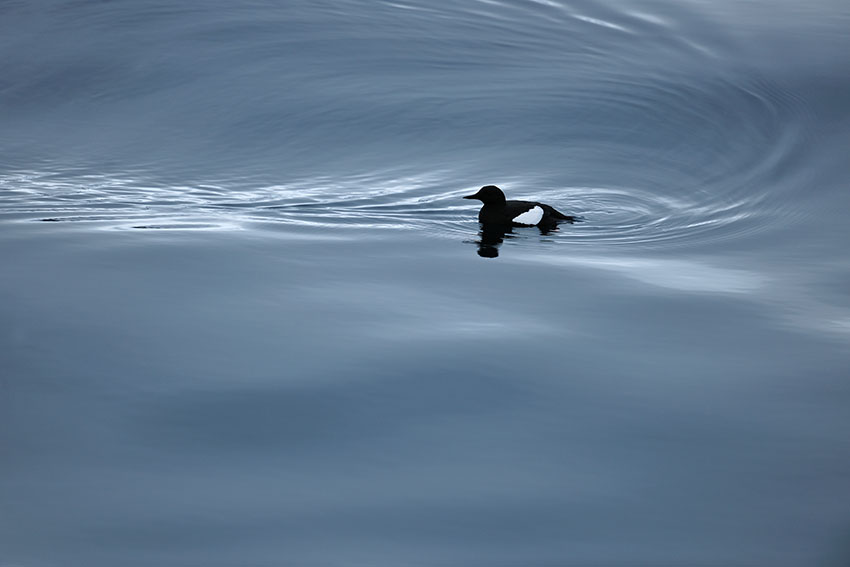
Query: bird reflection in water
{"x": 491, "y": 237}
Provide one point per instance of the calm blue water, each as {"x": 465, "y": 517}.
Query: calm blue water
{"x": 244, "y": 319}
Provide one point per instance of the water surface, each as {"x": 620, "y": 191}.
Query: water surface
{"x": 246, "y": 318}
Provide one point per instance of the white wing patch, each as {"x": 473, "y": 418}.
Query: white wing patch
{"x": 530, "y": 217}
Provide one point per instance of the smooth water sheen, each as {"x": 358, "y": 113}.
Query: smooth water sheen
{"x": 247, "y": 319}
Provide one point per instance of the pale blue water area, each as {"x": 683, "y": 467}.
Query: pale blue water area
{"x": 244, "y": 319}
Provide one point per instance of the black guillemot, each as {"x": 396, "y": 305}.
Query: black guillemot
{"x": 499, "y": 211}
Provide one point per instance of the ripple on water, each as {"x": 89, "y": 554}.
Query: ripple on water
{"x": 684, "y": 162}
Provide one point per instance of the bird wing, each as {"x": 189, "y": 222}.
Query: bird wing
{"x": 530, "y": 217}
{"x": 556, "y": 214}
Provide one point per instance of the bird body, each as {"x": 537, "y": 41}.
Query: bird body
{"x": 497, "y": 210}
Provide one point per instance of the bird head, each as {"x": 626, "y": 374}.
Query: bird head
{"x": 489, "y": 195}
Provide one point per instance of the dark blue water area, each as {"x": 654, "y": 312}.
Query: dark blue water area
{"x": 247, "y": 319}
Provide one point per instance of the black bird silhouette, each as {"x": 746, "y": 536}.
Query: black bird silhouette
{"x": 499, "y": 211}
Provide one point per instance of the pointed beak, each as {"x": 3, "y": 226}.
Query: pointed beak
{"x": 471, "y": 196}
